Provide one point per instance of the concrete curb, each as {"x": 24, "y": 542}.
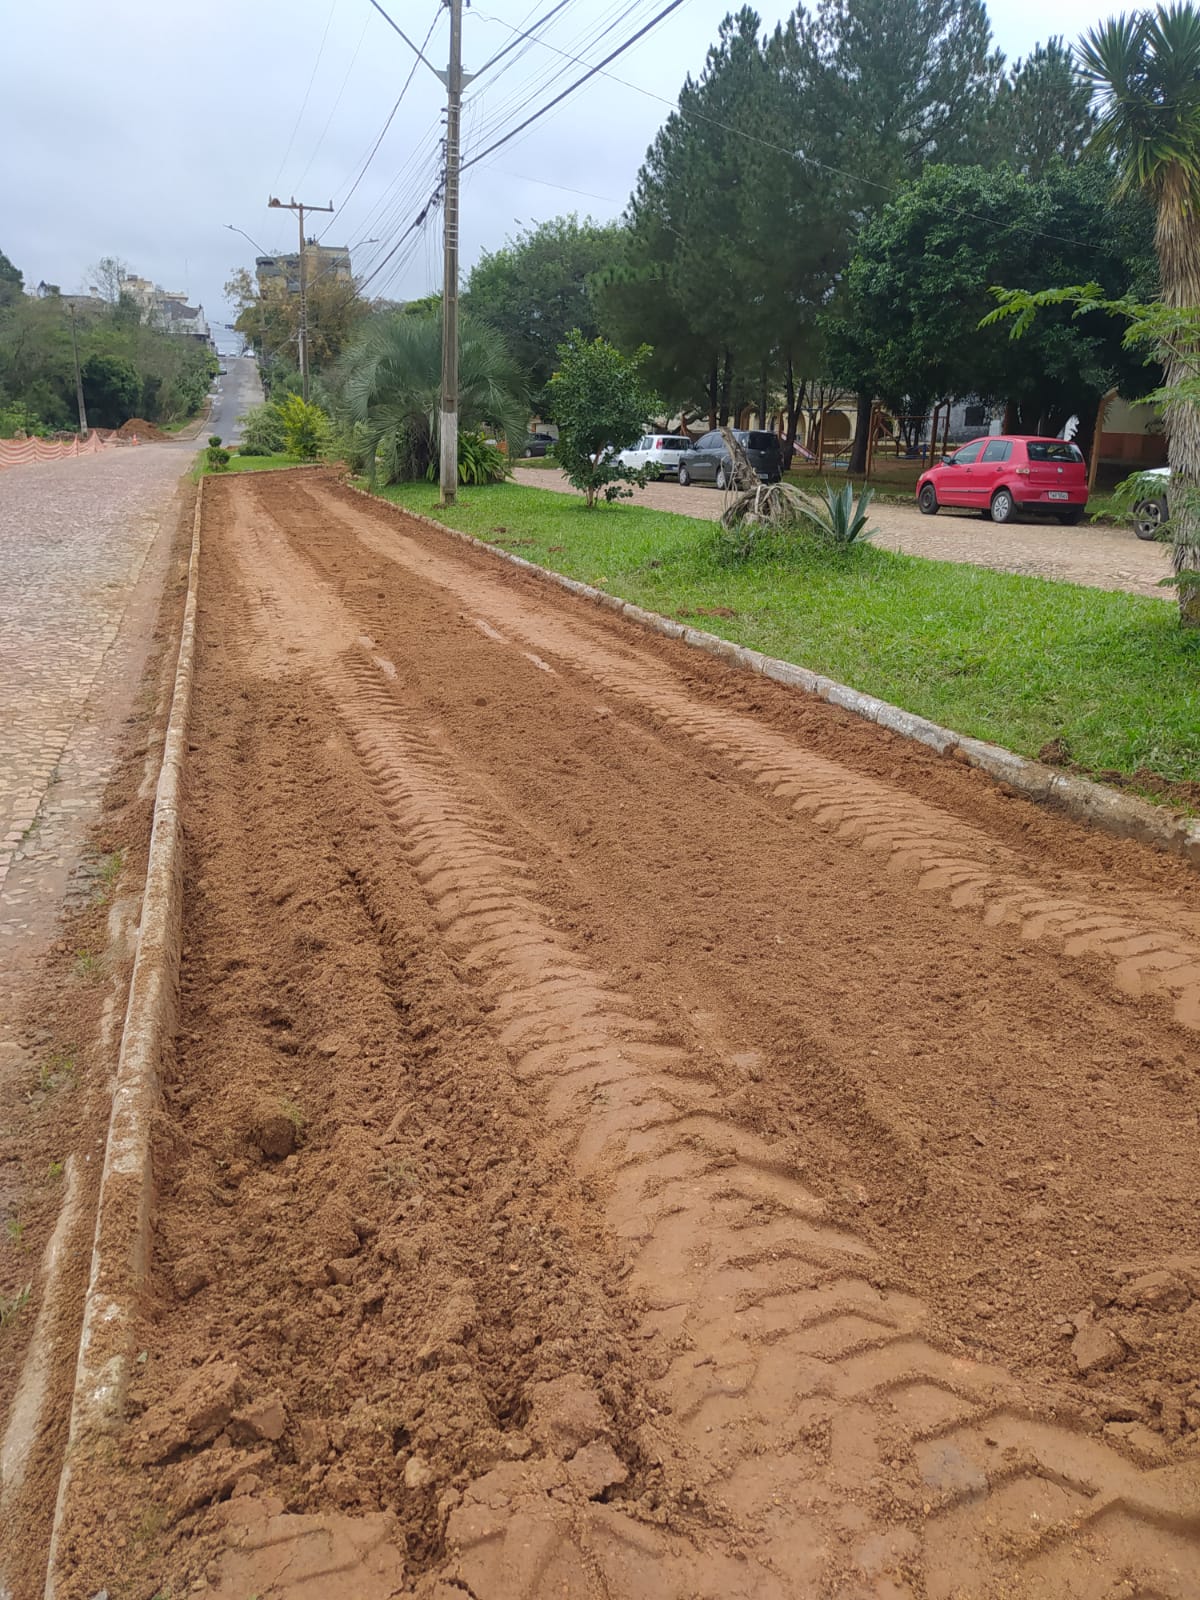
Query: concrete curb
{"x": 1124, "y": 816}
{"x": 121, "y": 1244}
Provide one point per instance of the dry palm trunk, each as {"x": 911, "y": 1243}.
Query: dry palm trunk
{"x": 1177, "y": 241}
{"x": 744, "y": 475}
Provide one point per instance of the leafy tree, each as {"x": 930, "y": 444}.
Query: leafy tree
{"x": 534, "y": 289}
{"x": 600, "y": 404}
{"x": 1146, "y": 69}
{"x": 907, "y": 324}
{"x": 1042, "y": 113}
{"x": 12, "y": 281}
{"x": 270, "y": 321}
{"x": 391, "y": 379}
{"x": 112, "y": 390}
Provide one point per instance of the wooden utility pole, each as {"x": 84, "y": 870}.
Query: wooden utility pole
{"x": 448, "y": 432}
{"x": 83, "y": 426}
{"x": 300, "y": 209}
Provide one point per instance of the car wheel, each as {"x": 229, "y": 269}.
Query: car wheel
{"x": 722, "y": 477}
{"x": 1148, "y": 518}
{"x": 1004, "y": 507}
{"x": 1070, "y": 518}
{"x": 928, "y": 500}
{"x": 685, "y": 478}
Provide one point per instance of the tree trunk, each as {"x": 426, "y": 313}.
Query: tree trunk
{"x": 712, "y": 396}
{"x": 762, "y": 396}
{"x": 726, "y": 386}
{"x": 1177, "y": 241}
{"x": 862, "y": 427}
{"x": 795, "y": 405}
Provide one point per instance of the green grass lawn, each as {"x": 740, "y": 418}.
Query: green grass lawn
{"x": 1018, "y": 661}
{"x": 250, "y": 464}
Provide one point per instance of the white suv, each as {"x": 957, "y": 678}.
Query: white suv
{"x": 661, "y": 452}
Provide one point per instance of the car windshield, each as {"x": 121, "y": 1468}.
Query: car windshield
{"x": 762, "y": 441}
{"x": 1054, "y": 450}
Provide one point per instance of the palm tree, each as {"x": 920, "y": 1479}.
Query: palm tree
{"x": 391, "y": 390}
{"x": 1145, "y": 68}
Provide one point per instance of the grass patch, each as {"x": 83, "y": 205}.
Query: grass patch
{"x": 1018, "y": 661}
{"x": 248, "y": 464}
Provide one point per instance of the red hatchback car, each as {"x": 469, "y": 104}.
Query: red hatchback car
{"x": 1005, "y": 475}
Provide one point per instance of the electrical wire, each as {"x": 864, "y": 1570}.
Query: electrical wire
{"x": 578, "y": 84}
{"x": 304, "y": 103}
{"x": 512, "y": 45}
{"x": 392, "y": 113}
{"x": 398, "y": 29}
{"x": 337, "y": 102}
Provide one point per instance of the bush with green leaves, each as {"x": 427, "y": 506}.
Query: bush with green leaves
{"x": 392, "y": 387}
{"x": 480, "y": 460}
{"x": 17, "y": 418}
{"x": 600, "y": 404}
{"x": 216, "y": 459}
{"x": 262, "y": 432}
{"x": 306, "y": 431}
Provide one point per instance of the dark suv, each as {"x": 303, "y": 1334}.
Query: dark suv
{"x": 709, "y": 462}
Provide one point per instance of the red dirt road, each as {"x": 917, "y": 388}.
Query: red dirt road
{"x": 635, "y": 1132}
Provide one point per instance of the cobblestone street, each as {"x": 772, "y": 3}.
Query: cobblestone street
{"x": 75, "y": 537}
{"x": 1102, "y": 557}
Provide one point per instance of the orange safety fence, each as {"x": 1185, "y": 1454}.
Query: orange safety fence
{"x": 20, "y": 452}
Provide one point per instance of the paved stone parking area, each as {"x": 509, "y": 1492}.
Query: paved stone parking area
{"x": 75, "y": 536}
{"x": 1102, "y": 557}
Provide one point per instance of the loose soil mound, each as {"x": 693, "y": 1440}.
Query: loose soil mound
{"x": 146, "y": 431}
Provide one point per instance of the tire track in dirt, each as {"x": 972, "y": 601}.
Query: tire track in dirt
{"x": 854, "y": 1455}
{"x": 912, "y": 839}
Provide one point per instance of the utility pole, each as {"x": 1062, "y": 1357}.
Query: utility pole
{"x": 83, "y": 426}
{"x": 454, "y": 80}
{"x": 300, "y": 208}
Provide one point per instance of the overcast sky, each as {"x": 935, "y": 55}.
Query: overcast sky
{"x": 147, "y": 125}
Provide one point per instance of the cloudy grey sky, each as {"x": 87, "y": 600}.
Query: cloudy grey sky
{"x": 147, "y": 125}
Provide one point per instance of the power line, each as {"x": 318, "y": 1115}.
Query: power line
{"x": 513, "y": 43}
{"x": 337, "y": 102}
{"x": 420, "y": 56}
{"x": 304, "y": 103}
{"x": 578, "y": 84}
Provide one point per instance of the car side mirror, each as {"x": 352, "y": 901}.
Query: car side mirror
{"x": 949, "y": 461}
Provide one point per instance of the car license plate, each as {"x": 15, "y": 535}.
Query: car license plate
{"x": 1057, "y": 494}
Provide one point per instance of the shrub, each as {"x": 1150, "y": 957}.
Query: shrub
{"x": 480, "y": 460}
{"x": 262, "y": 432}
{"x": 828, "y": 518}
{"x": 305, "y": 428}
{"x": 215, "y": 458}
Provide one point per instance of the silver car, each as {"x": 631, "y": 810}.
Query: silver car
{"x": 1150, "y": 513}
{"x": 661, "y": 452}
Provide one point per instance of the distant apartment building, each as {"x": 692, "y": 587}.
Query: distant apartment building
{"x": 328, "y": 263}
{"x": 165, "y": 309}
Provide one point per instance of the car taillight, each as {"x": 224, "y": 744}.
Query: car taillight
{"x": 658, "y": 444}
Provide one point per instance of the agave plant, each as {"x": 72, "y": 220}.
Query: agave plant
{"x": 391, "y": 388}
{"x": 833, "y": 513}
{"x": 771, "y": 508}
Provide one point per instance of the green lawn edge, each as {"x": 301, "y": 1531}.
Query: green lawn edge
{"x": 1018, "y": 661}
